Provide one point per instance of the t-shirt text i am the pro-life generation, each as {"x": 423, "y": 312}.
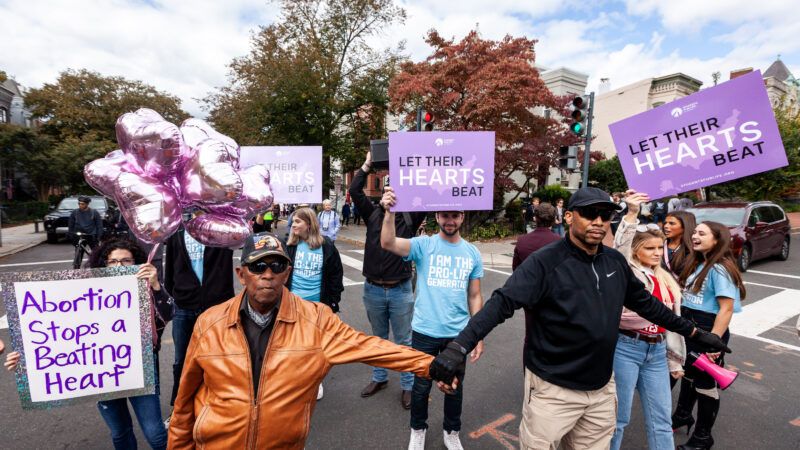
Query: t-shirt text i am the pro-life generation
{"x": 444, "y": 271}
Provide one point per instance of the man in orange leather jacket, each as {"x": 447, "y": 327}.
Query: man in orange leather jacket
{"x": 255, "y": 362}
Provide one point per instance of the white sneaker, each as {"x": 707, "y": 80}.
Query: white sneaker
{"x": 417, "y": 440}
{"x": 451, "y": 441}
{"x": 319, "y": 392}
{"x": 166, "y": 422}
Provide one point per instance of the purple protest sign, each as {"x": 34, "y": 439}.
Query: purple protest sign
{"x": 443, "y": 170}
{"x": 716, "y": 135}
{"x": 295, "y": 172}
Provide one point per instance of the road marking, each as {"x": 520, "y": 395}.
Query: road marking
{"x": 352, "y": 262}
{"x": 3, "y": 322}
{"x": 783, "y": 275}
{"x": 360, "y": 252}
{"x": 774, "y": 342}
{"x": 36, "y": 263}
{"x": 348, "y": 282}
{"x": 765, "y": 314}
{"x": 500, "y": 436}
{"x": 497, "y": 271}
{"x": 765, "y": 285}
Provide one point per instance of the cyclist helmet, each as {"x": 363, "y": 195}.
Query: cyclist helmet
{"x": 84, "y": 199}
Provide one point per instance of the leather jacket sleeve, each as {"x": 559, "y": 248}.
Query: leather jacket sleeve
{"x": 182, "y": 424}
{"x": 343, "y": 345}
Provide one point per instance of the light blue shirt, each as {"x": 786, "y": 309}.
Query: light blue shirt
{"x": 195, "y": 251}
{"x": 307, "y": 272}
{"x": 444, "y": 271}
{"x": 718, "y": 283}
{"x": 329, "y": 224}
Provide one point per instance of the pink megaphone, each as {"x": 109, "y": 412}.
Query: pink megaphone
{"x": 723, "y": 376}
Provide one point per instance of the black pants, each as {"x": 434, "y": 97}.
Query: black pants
{"x": 704, "y": 321}
{"x": 422, "y": 389}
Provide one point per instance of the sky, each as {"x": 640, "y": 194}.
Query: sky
{"x": 184, "y": 47}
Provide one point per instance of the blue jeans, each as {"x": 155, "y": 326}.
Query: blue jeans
{"x": 643, "y": 367}
{"x": 148, "y": 412}
{"x": 558, "y": 229}
{"x": 422, "y": 389}
{"x": 393, "y": 307}
{"x": 182, "y": 326}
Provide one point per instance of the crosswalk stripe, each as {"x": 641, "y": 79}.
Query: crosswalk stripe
{"x": 767, "y": 313}
{"x": 3, "y": 322}
{"x": 348, "y": 282}
{"x": 783, "y": 275}
{"x": 37, "y": 263}
{"x": 359, "y": 251}
{"x": 352, "y": 262}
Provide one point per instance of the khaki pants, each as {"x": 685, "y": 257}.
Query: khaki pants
{"x": 576, "y": 419}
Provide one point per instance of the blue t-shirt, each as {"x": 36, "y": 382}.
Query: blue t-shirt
{"x": 195, "y": 251}
{"x": 307, "y": 272}
{"x": 444, "y": 271}
{"x": 718, "y": 283}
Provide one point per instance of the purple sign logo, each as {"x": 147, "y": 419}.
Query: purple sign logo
{"x": 716, "y": 135}
{"x": 442, "y": 171}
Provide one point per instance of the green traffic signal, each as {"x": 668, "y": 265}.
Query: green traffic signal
{"x": 577, "y": 128}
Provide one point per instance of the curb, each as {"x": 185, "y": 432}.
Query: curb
{"x": 357, "y": 243}
{"x": 9, "y": 252}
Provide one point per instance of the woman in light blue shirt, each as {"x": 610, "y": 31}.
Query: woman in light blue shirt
{"x": 713, "y": 289}
{"x": 317, "y": 273}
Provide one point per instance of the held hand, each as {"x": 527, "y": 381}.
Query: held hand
{"x": 678, "y": 374}
{"x": 709, "y": 340}
{"x": 713, "y": 356}
{"x": 12, "y": 359}
{"x": 448, "y": 364}
{"x": 448, "y": 388}
{"x": 475, "y": 354}
{"x": 389, "y": 199}
{"x": 148, "y": 272}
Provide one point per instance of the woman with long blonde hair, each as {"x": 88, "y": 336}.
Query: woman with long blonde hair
{"x": 646, "y": 352}
{"x": 317, "y": 273}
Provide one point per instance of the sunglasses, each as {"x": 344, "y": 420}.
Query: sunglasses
{"x": 642, "y": 228}
{"x": 591, "y": 213}
{"x": 260, "y": 267}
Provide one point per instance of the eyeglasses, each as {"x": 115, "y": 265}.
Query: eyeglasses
{"x": 643, "y": 228}
{"x": 260, "y": 267}
{"x": 119, "y": 262}
{"x": 591, "y": 213}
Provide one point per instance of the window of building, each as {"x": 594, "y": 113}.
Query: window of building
{"x": 3, "y": 115}
{"x": 657, "y": 104}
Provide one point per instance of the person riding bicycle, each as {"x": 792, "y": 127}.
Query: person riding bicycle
{"x": 85, "y": 220}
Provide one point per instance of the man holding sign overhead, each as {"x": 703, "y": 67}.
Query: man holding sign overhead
{"x": 449, "y": 272}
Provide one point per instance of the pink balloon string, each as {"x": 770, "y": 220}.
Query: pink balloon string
{"x": 153, "y": 309}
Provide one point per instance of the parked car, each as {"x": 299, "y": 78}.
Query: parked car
{"x": 56, "y": 222}
{"x": 758, "y": 229}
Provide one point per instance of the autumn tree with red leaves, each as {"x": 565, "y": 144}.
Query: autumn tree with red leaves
{"x": 478, "y": 84}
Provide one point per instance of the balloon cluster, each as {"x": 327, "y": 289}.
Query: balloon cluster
{"x": 161, "y": 170}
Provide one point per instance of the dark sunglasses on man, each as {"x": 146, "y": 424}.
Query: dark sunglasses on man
{"x": 259, "y": 267}
{"x": 592, "y": 212}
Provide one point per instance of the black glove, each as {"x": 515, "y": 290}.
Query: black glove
{"x": 449, "y": 363}
{"x": 711, "y": 341}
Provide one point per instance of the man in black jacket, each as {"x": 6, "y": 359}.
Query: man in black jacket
{"x": 572, "y": 292}
{"x": 198, "y": 277}
{"x": 388, "y": 295}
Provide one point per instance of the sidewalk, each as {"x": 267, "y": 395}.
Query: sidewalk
{"x": 794, "y": 220}
{"x": 19, "y": 238}
{"x": 497, "y": 254}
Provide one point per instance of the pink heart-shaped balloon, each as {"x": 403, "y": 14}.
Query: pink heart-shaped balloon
{"x": 217, "y": 230}
{"x": 196, "y": 131}
{"x": 102, "y": 173}
{"x": 155, "y": 144}
{"x": 256, "y": 191}
{"x": 150, "y": 209}
{"x": 208, "y": 175}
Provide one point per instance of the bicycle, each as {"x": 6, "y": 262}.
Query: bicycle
{"x": 81, "y": 246}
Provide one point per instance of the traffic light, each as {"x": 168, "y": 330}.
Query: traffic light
{"x": 580, "y": 114}
{"x": 427, "y": 121}
{"x": 568, "y": 157}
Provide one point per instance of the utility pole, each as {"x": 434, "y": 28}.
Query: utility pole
{"x": 588, "y": 142}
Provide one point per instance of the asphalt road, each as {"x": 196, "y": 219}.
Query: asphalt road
{"x": 761, "y": 410}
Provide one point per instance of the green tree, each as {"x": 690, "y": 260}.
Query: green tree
{"x": 78, "y": 114}
{"x": 311, "y": 78}
{"x": 607, "y": 175}
{"x": 775, "y": 184}
{"x": 27, "y": 150}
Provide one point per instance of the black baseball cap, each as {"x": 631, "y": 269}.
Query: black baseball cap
{"x": 591, "y": 196}
{"x": 84, "y": 199}
{"x": 260, "y": 245}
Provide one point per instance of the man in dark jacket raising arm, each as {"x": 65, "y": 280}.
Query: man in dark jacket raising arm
{"x": 572, "y": 292}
